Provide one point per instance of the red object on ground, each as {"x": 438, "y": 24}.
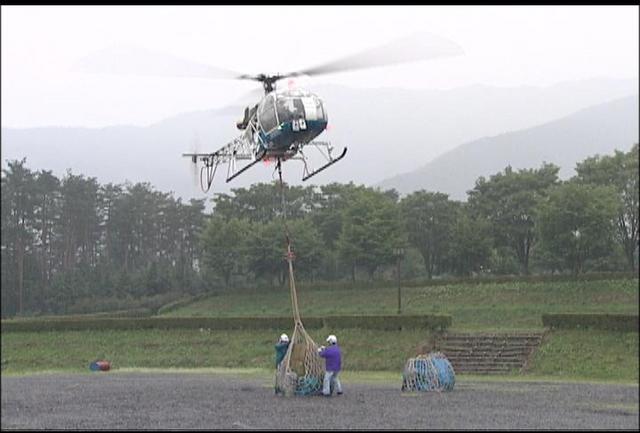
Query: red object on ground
{"x": 104, "y": 365}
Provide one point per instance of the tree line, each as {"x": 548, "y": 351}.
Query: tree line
{"x": 73, "y": 239}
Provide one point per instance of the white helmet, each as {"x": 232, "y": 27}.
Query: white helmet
{"x": 331, "y": 339}
{"x": 284, "y": 338}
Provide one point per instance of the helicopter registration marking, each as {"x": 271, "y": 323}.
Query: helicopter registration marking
{"x": 298, "y": 124}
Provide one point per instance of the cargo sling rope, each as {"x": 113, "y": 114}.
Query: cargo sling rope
{"x": 301, "y": 372}
{"x": 432, "y": 372}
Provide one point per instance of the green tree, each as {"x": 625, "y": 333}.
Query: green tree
{"x": 46, "y": 212}
{"x": 509, "y": 202}
{"x": 576, "y": 223}
{"x": 328, "y": 210}
{"x": 327, "y": 216}
{"x": 262, "y": 202}
{"x": 266, "y": 249}
{"x": 619, "y": 171}
{"x": 19, "y": 195}
{"x": 307, "y": 245}
{"x": 184, "y": 225}
{"x": 79, "y": 220}
{"x": 223, "y": 244}
{"x": 429, "y": 219}
{"x": 371, "y": 230}
{"x": 470, "y": 247}
{"x": 108, "y": 197}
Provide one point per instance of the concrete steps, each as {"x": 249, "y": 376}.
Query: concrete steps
{"x": 488, "y": 353}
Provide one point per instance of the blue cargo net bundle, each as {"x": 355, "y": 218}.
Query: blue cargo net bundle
{"x": 432, "y": 372}
{"x": 309, "y": 385}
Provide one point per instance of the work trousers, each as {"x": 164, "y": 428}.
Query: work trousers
{"x": 331, "y": 382}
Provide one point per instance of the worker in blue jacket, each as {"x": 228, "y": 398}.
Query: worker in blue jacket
{"x": 281, "y": 350}
{"x": 333, "y": 365}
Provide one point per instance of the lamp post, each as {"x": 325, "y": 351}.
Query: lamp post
{"x": 576, "y": 234}
{"x": 399, "y": 253}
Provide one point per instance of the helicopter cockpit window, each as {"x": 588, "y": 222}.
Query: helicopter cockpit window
{"x": 267, "y": 114}
{"x": 314, "y": 109}
{"x": 320, "y": 107}
{"x": 268, "y": 102}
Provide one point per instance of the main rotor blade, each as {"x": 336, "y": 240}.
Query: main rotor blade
{"x": 131, "y": 60}
{"x": 416, "y": 47}
{"x": 251, "y": 97}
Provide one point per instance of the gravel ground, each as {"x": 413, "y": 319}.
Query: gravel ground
{"x": 118, "y": 400}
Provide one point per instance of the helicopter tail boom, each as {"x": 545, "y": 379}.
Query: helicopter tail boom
{"x": 239, "y": 149}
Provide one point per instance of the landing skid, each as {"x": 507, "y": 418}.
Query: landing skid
{"x": 258, "y": 158}
{"x": 307, "y": 175}
{"x": 250, "y": 153}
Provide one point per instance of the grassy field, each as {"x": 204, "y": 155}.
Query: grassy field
{"x": 74, "y": 350}
{"x": 587, "y": 355}
{"x": 488, "y": 307}
{"x": 580, "y": 355}
{"x": 592, "y": 354}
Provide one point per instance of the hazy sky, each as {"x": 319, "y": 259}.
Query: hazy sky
{"x": 504, "y": 46}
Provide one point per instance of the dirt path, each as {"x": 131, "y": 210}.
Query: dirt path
{"x": 205, "y": 401}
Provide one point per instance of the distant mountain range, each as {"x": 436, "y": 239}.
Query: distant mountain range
{"x": 599, "y": 129}
{"x": 388, "y": 131}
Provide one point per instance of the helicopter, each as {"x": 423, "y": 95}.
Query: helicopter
{"x": 275, "y": 129}
{"x": 285, "y": 122}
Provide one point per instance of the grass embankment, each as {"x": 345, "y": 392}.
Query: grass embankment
{"x": 589, "y": 354}
{"x": 582, "y": 355}
{"x": 482, "y": 307}
{"x": 154, "y": 348}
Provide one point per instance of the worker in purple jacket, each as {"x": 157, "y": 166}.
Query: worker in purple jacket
{"x": 333, "y": 359}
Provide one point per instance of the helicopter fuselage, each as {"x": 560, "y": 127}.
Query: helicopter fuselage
{"x": 286, "y": 119}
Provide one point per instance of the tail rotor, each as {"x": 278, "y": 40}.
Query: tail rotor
{"x": 193, "y": 163}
